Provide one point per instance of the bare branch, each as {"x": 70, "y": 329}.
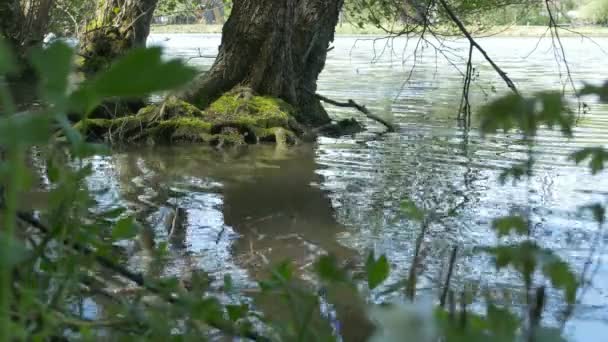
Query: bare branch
{"x": 352, "y": 104}
{"x": 474, "y": 43}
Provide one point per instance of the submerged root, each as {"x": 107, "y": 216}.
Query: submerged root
{"x": 237, "y": 118}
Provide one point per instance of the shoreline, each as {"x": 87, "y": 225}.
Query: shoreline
{"x": 350, "y": 30}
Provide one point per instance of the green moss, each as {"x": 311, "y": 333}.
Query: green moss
{"x": 187, "y": 129}
{"x": 242, "y": 107}
{"x": 236, "y": 118}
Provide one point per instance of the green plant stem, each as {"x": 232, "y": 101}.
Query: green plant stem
{"x": 8, "y": 202}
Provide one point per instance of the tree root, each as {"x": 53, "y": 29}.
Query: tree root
{"x": 352, "y": 104}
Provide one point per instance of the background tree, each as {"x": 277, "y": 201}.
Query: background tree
{"x": 23, "y": 23}
{"x": 118, "y": 26}
{"x": 279, "y": 52}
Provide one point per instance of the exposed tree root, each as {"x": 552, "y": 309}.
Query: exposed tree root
{"x": 352, "y": 104}
{"x": 237, "y": 118}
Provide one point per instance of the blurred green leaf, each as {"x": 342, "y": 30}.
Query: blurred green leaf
{"x": 53, "y": 65}
{"x": 504, "y": 225}
{"x": 228, "y": 283}
{"x": 552, "y": 111}
{"x": 124, "y": 229}
{"x": 14, "y": 251}
{"x": 601, "y": 91}
{"x": 328, "y": 270}
{"x": 596, "y": 155}
{"x": 502, "y": 322}
{"x": 284, "y": 271}
{"x": 523, "y": 257}
{"x": 236, "y": 312}
{"x": 598, "y": 211}
{"x": 516, "y": 172}
{"x": 141, "y": 72}
{"x": 280, "y": 275}
{"x": 561, "y": 277}
{"x": 377, "y": 270}
{"x": 409, "y": 209}
{"x": 113, "y": 213}
{"x": 544, "y": 334}
{"x": 25, "y": 129}
{"x": 527, "y": 114}
{"x": 7, "y": 60}
{"x": 208, "y": 309}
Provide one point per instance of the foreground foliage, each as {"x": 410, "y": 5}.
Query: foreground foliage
{"x": 56, "y": 257}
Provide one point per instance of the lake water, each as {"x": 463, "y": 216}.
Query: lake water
{"x": 253, "y": 207}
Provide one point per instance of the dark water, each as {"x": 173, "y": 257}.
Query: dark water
{"x": 250, "y": 208}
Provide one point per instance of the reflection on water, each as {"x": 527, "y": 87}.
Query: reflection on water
{"x": 245, "y": 209}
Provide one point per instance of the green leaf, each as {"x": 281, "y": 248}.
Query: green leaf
{"x": 409, "y": 209}
{"x": 527, "y": 114}
{"x": 502, "y": 322}
{"x": 236, "y": 312}
{"x": 602, "y": 91}
{"x": 14, "y": 251}
{"x": 228, "y": 283}
{"x": 124, "y": 229}
{"x": 25, "y": 129}
{"x": 544, "y": 334}
{"x": 328, "y": 270}
{"x": 505, "y": 113}
{"x": 208, "y": 309}
{"x": 504, "y": 225}
{"x": 377, "y": 270}
{"x": 7, "y": 60}
{"x": 84, "y": 99}
{"x": 523, "y": 257}
{"x": 53, "y": 65}
{"x": 516, "y": 172}
{"x": 284, "y": 271}
{"x": 596, "y": 155}
{"x": 561, "y": 277}
{"x": 598, "y": 211}
{"x": 554, "y": 112}
{"x": 113, "y": 213}
{"x": 141, "y": 72}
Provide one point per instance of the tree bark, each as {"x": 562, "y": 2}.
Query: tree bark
{"x": 118, "y": 26}
{"x": 277, "y": 48}
{"x": 23, "y": 23}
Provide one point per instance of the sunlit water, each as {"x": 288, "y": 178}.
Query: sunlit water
{"x": 250, "y": 208}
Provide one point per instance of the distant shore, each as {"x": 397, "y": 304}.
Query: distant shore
{"x": 348, "y": 29}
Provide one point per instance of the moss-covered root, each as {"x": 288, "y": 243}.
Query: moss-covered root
{"x": 237, "y": 118}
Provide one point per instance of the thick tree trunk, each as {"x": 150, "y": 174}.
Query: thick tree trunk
{"x": 23, "y": 23}
{"x": 119, "y": 25}
{"x": 278, "y": 48}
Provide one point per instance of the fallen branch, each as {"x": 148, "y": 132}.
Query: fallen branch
{"x": 474, "y": 43}
{"x": 352, "y": 104}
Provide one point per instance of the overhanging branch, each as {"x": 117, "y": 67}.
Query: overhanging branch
{"x": 474, "y": 43}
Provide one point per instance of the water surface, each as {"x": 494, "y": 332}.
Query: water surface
{"x": 253, "y": 207}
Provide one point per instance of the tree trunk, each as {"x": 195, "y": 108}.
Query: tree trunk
{"x": 277, "y": 48}
{"x": 23, "y": 23}
{"x": 118, "y": 26}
